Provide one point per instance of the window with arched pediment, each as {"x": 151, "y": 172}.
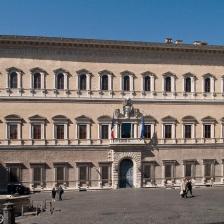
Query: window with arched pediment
{"x": 82, "y": 82}
{"x": 147, "y": 83}
{"x": 187, "y": 85}
{"x": 167, "y": 84}
{"x": 13, "y": 80}
{"x": 126, "y": 83}
{"x": 60, "y": 81}
{"x": 104, "y": 82}
{"x": 37, "y": 80}
{"x": 207, "y": 85}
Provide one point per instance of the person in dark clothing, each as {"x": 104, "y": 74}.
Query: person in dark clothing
{"x": 53, "y": 194}
{"x": 189, "y": 187}
{"x": 60, "y": 192}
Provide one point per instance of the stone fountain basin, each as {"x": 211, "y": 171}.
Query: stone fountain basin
{"x": 18, "y": 200}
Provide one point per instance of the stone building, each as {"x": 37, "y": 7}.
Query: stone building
{"x": 62, "y": 99}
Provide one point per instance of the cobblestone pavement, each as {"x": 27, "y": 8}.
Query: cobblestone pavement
{"x": 133, "y": 206}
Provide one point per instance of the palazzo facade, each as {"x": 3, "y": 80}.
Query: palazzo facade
{"x": 61, "y": 98}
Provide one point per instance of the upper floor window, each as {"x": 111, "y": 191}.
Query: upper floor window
{"x": 207, "y": 85}
{"x": 82, "y": 82}
{"x": 147, "y": 83}
{"x": 82, "y": 131}
{"x": 37, "y": 127}
{"x": 60, "y": 127}
{"x": 37, "y": 81}
{"x": 12, "y": 131}
{"x": 126, "y": 83}
{"x": 60, "y": 81}
{"x": 13, "y": 80}
{"x": 13, "y": 127}
{"x": 208, "y": 127}
{"x": 187, "y": 131}
{"x": 167, "y": 84}
{"x": 169, "y": 124}
{"x": 207, "y": 131}
{"x": 83, "y": 127}
{"x": 187, "y": 86}
{"x": 104, "y": 82}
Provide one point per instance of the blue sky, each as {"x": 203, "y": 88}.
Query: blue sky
{"x": 143, "y": 20}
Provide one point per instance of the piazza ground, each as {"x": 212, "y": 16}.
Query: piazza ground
{"x": 133, "y": 206}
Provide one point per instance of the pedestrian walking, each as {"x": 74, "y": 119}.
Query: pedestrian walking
{"x": 53, "y": 194}
{"x": 60, "y": 192}
{"x": 189, "y": 187}
{"x": 183, "y": 188}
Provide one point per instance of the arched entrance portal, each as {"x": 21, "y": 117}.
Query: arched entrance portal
{"x": 126, "y": 174}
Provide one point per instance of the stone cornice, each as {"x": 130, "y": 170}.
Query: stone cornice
{"x": 42, "y": 42}
{"x": 103, "y": 101}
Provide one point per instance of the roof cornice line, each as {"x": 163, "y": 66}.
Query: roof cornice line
{"x": 74, "y": 42}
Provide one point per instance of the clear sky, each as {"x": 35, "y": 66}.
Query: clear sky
{"x": 143, "y": 20}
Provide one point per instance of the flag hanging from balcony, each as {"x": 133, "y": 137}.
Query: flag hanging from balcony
{"x": 142, "y": 128}
{"x": 112, "y": 128}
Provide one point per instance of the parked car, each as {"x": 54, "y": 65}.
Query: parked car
{"x": 17, "y": 189}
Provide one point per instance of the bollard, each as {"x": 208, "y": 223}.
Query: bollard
{"x": 8, "y": 213}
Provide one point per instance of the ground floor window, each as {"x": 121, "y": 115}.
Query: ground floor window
{"x": 209, "y": 168}
{"x": 39, "y": 176}
{"x": 148, "y": 172}
{"x": 61, "y": 175}
{"x": 105, "y": 174}
{"x": 169, "y": 169}
{"x": 84, "y": 175}
{"x": 189, "y": 171}
{"x": 14, "y": 174}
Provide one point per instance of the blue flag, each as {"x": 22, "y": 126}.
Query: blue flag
{"x": 142, "y": 128}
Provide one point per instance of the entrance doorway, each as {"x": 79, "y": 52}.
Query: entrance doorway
{"x": 126, "y": 174}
